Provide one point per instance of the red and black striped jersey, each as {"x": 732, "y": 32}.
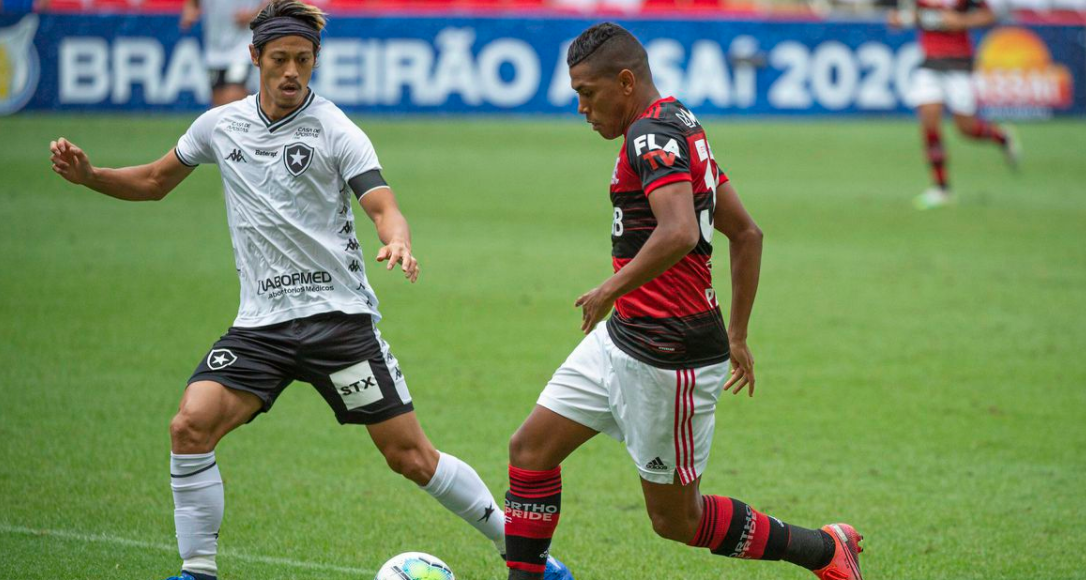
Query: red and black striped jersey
{"x": 946, "y": 49}
{"x": 673, "y": 321}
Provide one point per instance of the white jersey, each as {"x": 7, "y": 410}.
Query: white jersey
{"x": 225, "y": 42}
{"x": 289, "y": 206}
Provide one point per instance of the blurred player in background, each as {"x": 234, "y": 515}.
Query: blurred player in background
{"x": 226, "y": 43}
{"x": 291, "y": 164}
{"x": 945, "y": 79}
{"x": 651, "y": 375}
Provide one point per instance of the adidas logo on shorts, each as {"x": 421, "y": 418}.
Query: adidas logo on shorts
{"x": 656, "y": 465}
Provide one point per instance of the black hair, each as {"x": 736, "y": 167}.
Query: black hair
{"x": 306, "y": 14}
{"x": 609, "y": 49}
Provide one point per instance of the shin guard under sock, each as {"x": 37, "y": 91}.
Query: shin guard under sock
{"x": 532, "y": 508}
{"x": 732, "y": 528}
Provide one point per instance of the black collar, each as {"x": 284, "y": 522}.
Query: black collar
{"x": 272, "y": 126}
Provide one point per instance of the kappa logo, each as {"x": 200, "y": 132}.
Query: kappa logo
{"x": 235, "y": 156}
{"x": 220, "y": 358}
{"x": 20, "y": 68}
{"x": 297, "y": 157}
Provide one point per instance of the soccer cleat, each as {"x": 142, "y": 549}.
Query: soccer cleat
{"x": 556, "y": 570}
{"x": 932, "y": 198}
{"x": 192, "y": 576}
{"x": 1012, "y": 149}
{"x": 845, "y": 564}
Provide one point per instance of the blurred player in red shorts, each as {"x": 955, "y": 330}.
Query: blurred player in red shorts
{"x": 945, "y": 79}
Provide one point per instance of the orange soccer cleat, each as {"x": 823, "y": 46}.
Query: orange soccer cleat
{"x": 845, "y": 564}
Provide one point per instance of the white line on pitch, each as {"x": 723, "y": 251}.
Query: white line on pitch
{"x": 227, "y": 553}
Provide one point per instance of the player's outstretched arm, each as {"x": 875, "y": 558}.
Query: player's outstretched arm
{"x": 675, "y": 235}
{"x": 380, "y": 204}
{"x": 977, "y": 18}
{"x": 745, "y": 249}
{"x": 148, "y": 182}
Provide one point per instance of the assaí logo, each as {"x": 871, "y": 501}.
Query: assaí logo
{"x": 1017, "y": 76}
{"x": 19, "y": 66}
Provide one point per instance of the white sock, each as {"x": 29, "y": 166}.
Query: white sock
{"x": 456, "y": 486}
{"x": 198, "y": 506}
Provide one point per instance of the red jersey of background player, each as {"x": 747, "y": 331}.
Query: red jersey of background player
{"x": 672, "y": 321}
{"x": 945, "y": 49}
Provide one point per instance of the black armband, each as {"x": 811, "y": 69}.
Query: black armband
{"x": 367, "y": 182}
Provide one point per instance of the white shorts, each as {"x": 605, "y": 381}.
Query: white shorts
{"x": 953, "y": 88}
{"x": 666, "y": 417}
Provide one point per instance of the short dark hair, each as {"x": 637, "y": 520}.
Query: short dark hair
{"x": 609, "y": 48}
{"x": 306, "y": 14}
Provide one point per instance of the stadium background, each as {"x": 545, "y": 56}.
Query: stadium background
{"x": 920, "y": 374}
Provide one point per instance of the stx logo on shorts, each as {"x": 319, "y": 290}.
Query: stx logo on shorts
{"x": 297, "y": 157}
{"x": 357, "y": 385}
{"x": 220, "y": 358}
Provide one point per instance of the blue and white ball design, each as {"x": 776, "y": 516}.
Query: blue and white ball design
{"x": 415, "y": 566}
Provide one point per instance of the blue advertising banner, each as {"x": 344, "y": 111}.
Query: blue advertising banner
{"x": 490, "y": 65}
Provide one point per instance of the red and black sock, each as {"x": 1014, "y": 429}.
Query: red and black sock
{"x": 532, "y": 507}
{"x": 732, "y": 528}
{"x": 985, "y": 131}
{"x": 936, "y": 157}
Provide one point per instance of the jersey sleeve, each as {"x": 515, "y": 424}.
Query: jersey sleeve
{"x": 721, "y": 176}
{"x": 194, "y": 147}
{"x": 658, "y": 153}
{"x": 354, "y": 151}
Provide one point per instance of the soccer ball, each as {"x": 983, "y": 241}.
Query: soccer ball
{"x": 414, "y": 566}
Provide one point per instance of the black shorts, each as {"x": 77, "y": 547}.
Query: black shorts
{"x": 235, "y": 74}
{"x": 341, "y": 355}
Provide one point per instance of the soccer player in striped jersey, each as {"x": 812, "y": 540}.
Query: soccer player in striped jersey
{"x": 944, "y": 79}
{"x": 651, "y": 375}
{"x": 292, "y": 165}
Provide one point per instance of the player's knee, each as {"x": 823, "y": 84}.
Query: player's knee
{"x": 673, "y": 525}
{"x": 411, "y": 463}
{"x": 526, "y": 453}
{"x": 187, "y": 435}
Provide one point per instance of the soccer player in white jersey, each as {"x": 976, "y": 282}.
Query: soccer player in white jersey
{"x": 291, "y": 162}
{"x": 226, "y": 44}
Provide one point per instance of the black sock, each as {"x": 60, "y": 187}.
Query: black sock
{"x": 812, "y": 549}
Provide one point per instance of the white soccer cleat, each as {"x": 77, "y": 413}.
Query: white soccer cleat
{"x": 932, "y": 198}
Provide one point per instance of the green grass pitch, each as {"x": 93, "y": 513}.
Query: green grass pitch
{"x": 920, "y": 375}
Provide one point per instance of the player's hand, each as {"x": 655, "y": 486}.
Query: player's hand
{"x": 190, "y": 13}
{"x": 742, "y": 368}
{"x": 894, "y": 19}
{"x": 595, "y": 305}
{"x": 70, "y": 162}
{"x": 399, "y": 253}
